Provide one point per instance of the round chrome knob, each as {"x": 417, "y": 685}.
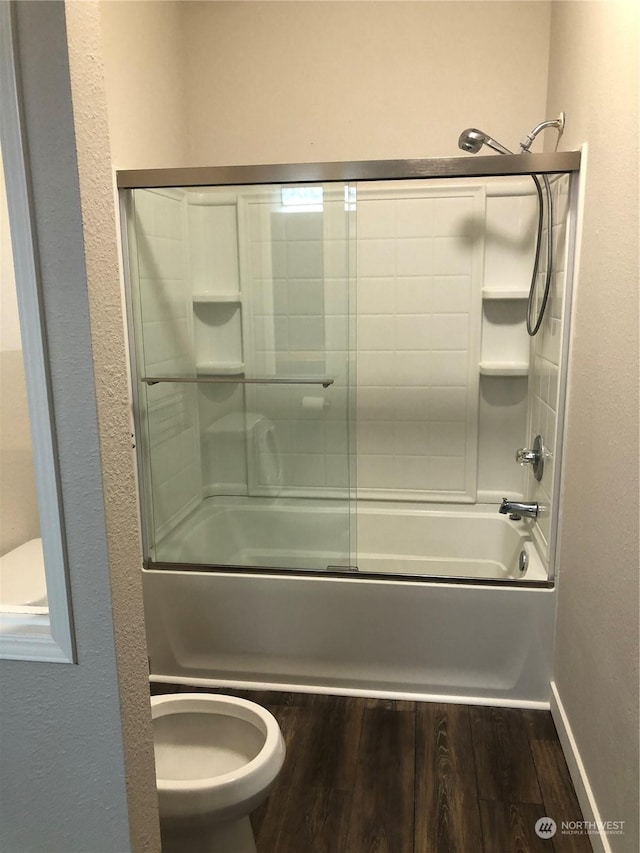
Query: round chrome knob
{"x": 523, "y": 562}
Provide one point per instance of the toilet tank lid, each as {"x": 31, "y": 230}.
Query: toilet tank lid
{"x": 22, "y": 577}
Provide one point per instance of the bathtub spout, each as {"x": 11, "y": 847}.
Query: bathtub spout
{"x": 530, "y": 510}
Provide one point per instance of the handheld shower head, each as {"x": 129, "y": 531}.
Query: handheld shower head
{"x": 472, "y": 140}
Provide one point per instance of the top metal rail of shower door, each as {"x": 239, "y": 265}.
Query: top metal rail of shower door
{"x": 240, "y": 380}
{"x": 469, "y": 166}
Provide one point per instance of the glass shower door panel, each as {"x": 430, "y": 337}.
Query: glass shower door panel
{"x": 163, "y": 343}
{"x": 420, "y": 268}
{"x": 240, "y": 301}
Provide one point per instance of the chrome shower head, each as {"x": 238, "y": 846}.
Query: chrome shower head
{"x": 472, "y": 140}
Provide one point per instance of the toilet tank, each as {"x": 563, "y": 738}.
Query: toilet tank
{"x": 22, "y": 576}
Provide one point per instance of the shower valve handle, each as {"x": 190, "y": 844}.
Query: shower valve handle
{"x": 533, "y": 456}
{"x": 526, "y": 457}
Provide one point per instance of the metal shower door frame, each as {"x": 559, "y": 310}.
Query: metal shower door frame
{"x": 364, "y": 170}
{"x": 469, "y": 166}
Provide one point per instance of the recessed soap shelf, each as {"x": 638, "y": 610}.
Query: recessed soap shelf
{"x": 489, "y": 293}
{"x": 220, "y": 368}
{"x": 214, "y": 298}
{"x": 494, "y": 368}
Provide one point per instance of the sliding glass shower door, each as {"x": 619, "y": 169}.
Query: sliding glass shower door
{"x": 242, "y": 329}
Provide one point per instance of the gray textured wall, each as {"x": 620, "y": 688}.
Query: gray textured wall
{"x": 594, "y": 77}
{"x": 62, "y": 777}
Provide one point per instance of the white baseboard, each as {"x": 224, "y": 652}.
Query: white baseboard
{"x": 577, "y": 770}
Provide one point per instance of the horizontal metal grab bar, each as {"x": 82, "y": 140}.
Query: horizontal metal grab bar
{"x": 241, "y": 380}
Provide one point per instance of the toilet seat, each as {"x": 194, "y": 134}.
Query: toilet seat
{"x": 216, "y": 756}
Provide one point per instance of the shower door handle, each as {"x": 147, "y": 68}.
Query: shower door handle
{"x": 240, "y": 380}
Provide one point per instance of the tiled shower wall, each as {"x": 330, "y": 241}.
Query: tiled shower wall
{"x": 546, "y": 353}
{"x": 419, "y": 272}
{"x": 509, "y": 237}
{"x": 298, "y": 288}
{"x": 162, "y": 304}
{"x": 443, "y": 271}
{"x": 424, "y": 255}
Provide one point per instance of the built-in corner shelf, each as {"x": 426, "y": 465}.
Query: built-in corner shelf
{"x": 495, "y": 368}
{"x": 220, "y": 368}
{"x": 489, "y": 293}
{"x": 227, "y": 297}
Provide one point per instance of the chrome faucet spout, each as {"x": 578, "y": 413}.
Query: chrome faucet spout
{"x": 528, "y": 509}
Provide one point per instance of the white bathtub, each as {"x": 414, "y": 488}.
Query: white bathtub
{"x": 488, "y": 643}
{"x": 384, "y": 538}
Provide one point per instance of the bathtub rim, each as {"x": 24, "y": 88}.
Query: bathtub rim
{"x": 353, "y": 575}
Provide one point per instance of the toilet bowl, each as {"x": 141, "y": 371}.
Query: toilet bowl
{"x": 216, "y": 760}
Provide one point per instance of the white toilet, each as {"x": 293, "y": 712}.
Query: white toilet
{"x": 22, "y": 577}
{"x": 216, "y": 760}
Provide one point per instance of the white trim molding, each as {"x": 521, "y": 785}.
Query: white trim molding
{"x": 32, "y": 633}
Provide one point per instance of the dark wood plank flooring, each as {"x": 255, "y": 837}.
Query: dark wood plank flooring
{"x": 381, "y": 776}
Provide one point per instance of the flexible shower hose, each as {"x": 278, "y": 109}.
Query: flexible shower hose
{"x": 533, "y": 327}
